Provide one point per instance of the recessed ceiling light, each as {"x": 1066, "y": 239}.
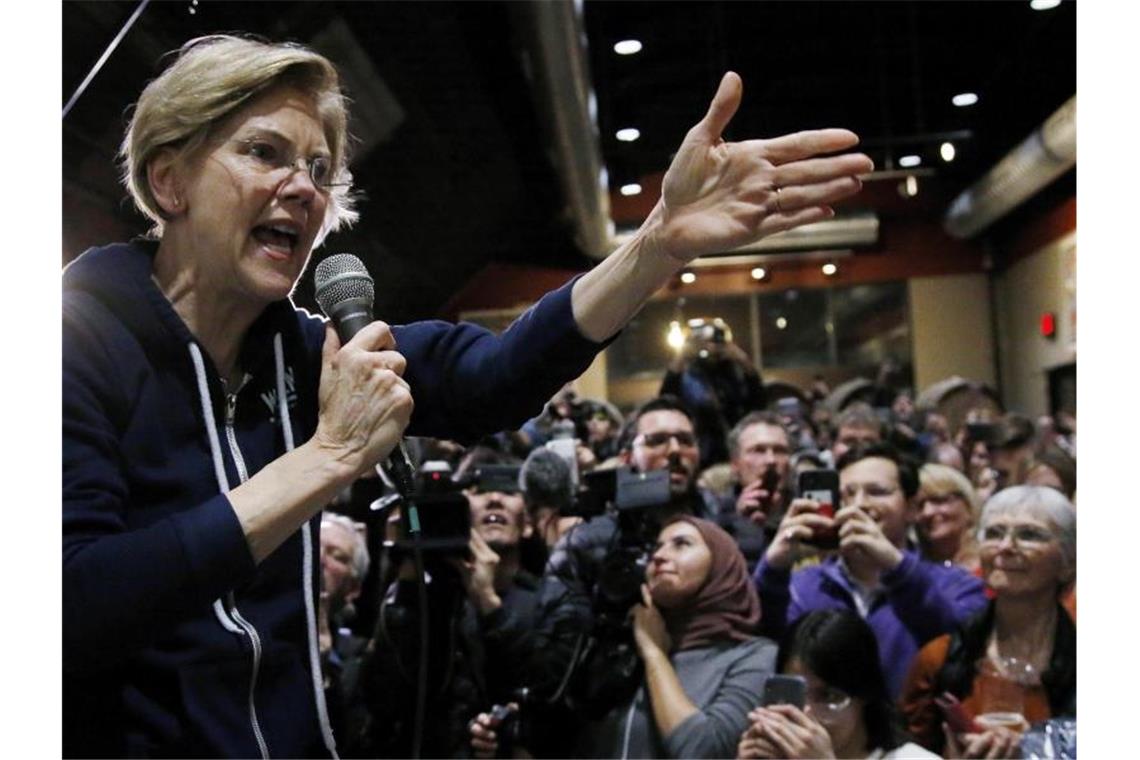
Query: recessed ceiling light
{"x": 759, "y": 273}
{"x": 631, "y": 189}
{"x": 964, "y": 99}
{"x": 781, "y": 323}
{"x": 947, "y": 151}
{"x": 829, "y": 269}
{"x": 627, "y": 47}
{"x": 688, "y": 278}
{"x": 1043, "y": 5}
{"x": 908, "y": 161}
{"x": 628, "y": 135}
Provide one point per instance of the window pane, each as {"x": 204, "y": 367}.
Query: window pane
{"x": 793, "y": 328}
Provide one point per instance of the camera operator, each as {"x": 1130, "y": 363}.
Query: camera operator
{"x": 481, "y": 606}
{"x": 718, "y": 381}
{"x": 578, "y": 603}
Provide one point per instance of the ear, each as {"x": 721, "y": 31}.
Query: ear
{"x": 164, "y": 174}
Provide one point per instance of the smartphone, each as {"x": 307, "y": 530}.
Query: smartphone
{"x": 785, "y": 690}
{"x": 955, "y": 715}
{"x": 822, "y": 486}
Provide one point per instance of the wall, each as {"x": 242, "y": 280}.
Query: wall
{"x": 1040, "y": 282}
{"x": 951, "y": 329}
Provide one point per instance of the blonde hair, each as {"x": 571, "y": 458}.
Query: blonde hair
{"x": 940, "y": 480}
{"x": 210, "y": 79}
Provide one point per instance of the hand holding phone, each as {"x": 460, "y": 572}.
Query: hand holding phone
{"x": 783, "y": 689}
{"x": 822, "y": 487}
{"x": 955, "y": 715}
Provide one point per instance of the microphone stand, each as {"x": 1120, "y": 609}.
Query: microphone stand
{"x": 400, "y": 472}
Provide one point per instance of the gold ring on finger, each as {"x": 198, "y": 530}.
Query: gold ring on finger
{"x": 779, "y": 210}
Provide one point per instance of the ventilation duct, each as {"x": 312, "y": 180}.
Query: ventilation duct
{"x": 854, "y": 230}
{"x": 1042, "y": 157}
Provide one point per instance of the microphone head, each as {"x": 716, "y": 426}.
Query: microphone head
{"x": 342, "y": 277}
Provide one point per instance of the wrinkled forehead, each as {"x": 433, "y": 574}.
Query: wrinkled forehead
{"x": 285, "y": 110}
{"x": 763, "y": 434}
{"x": 1023, "y": 513}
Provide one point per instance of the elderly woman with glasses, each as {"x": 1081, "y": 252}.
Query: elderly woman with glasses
{"x": 947, "y": 514}
{"x": 847, "y": 711}
{"x": 1016, "y": 662}
{"x": 206, "y": 420}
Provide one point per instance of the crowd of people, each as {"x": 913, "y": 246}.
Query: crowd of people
{"x": 652, "y": 630}
{"x": 580, "y": 582}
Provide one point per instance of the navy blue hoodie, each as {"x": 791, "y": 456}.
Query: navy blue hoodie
{"x": 174, "y": 642}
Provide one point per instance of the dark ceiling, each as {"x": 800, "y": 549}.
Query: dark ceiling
{"x": 456, "y": 165}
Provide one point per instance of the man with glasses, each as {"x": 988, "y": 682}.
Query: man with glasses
{"x": 905, "y": 600}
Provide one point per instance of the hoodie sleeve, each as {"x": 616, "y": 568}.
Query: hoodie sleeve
{"x": 930, "y": 599}
{"x": 122, "y": 585}
{"x": 468, "y": 382}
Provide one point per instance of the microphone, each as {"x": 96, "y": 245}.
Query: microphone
{"x": 345, "y": 292}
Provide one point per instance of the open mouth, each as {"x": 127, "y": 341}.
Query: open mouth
{"x": 494, "y": 518}
{"x": 280, "y": 239}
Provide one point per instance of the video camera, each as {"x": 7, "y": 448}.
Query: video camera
{"x": 444, "y": 513}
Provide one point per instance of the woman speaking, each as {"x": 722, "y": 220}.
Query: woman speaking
{"x": 206, "y": 420}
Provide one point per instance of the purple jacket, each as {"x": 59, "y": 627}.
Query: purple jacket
{"x": 919, "y": 601}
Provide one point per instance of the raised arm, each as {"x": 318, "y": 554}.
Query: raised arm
{"x": 717, "y": 196}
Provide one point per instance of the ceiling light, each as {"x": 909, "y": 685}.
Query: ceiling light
{"x": 759, "y": 273}
{"x": 628, "y": 135}
{"x": 781, "y": 323}
{"x": 1043, "y": 5}
{"x": 675, "y": 337}
{"x": 688, "y": 278}
{"x": 908, "y": 161}
{"x": 908, "y": 188}
{"x": 829, "y": 269}
{"x": 627, "y": 47}
{"x": 631, "y": 189}
{"x": 947, "y": 151}
{"x": 964, "y": 99}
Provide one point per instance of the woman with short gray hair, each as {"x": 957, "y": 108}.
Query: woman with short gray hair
{"x": 1024, "y": 639}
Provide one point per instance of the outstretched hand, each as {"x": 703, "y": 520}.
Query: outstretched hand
{"x": 718, "y": 195}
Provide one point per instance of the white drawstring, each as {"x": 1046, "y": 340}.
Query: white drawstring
{"x": 306, "y": 561}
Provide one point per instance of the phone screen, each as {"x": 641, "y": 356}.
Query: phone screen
{"x": 822, "y": 486}
{"x": 785, "y": 690}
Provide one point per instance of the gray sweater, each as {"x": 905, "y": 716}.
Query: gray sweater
{"x": 724, "y": 681}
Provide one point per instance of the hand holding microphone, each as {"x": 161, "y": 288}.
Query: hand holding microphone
{"x": 365, "y": 404}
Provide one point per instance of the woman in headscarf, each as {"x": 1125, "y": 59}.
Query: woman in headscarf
{"x": 705, "y": 666}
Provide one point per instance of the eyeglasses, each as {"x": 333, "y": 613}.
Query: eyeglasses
{"x": 1022, "y": 534}
{"x": 828, "y": 703}
{"x": 684, "y": 439}
{"x": 270, "y": 156}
